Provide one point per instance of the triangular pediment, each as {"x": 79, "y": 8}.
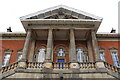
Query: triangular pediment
{"x": 61, "y": 12}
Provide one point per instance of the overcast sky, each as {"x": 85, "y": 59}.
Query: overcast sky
{"x": 11, "y": 10}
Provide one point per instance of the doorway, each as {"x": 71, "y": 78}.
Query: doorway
{"x": 61, "y": 63}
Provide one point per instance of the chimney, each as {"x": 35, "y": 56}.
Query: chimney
{"x": 9, "y": 29}
{"x": 113, "y": 31}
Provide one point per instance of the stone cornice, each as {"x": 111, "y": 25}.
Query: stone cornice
{"x": 109, "y": 35}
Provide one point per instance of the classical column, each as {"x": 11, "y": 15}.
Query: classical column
{"x": 73, "y": 56}
{"x": 26, "y": 45}
{"x": 22, "y": 63}
{"x": 95, "y": 46}
{"x": 90, "y": 55}
{"x": 49, "y": 45}
{"x": 32, "y": 50}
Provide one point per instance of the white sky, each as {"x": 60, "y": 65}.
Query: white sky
{"x": 11, "y": 10}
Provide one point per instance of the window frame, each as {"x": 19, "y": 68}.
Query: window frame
{"x": 19, "y": 53}
{"x": 101, "y": 49}
{"x": 113, "y": 49}
{"x": 7, "y": 51}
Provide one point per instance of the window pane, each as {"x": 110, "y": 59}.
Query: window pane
{"x": 61, "y": 52}
{"x": 102, "y": 56}
{"x": 115, "y": 59}
{"x": 41, "y": 55}
{"x": 80, "y": 55}
{"x": 19, "y": 57}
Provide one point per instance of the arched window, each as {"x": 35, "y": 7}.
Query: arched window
{"x": 80, "y": 55}
{"x": 61, "y": 52}
{"x": 41, "y": 55}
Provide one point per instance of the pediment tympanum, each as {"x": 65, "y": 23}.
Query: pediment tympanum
{"x": 61, "y": 12}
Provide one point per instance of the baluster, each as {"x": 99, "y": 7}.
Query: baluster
{"x": 29, "y": 65}
{"x": 38, "y": 65}
{"x": 56, "y": 65}
{"x": 115, "y": 69}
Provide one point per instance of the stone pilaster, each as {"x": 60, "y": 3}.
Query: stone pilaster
{"x": 72, "y": 55}
{"x": 49, "y": 46}
{"x": 22, "y": 63}
{"x": 32, "y": 50}
{"x": 90, "y": 55}
{"x": 95, "y": 46}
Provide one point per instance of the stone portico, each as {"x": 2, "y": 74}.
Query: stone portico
{"x": 61, "y": 23}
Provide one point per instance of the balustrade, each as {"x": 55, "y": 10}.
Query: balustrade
{"x": 9, "y": 67}
{"x": 111, "y": 67}
{"x": 60, "y": 65}
{"x": 35, "y": 65}
{"x": 87, "y": 65}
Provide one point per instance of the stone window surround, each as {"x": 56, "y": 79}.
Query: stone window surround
{"x": 7, "y": 51}
{"x": 84, "y": 49}
{"x": 36, "y": 52}
{"x": 114, "y": 49}
{"x": 101, "y": 49}
{"x": 55, "y": 51}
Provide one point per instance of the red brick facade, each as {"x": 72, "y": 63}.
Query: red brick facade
{"x": 16, "y": 45}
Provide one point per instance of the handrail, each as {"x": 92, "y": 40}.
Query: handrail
{"x": 111, "y": 67}
{"x": 9, "y": 67}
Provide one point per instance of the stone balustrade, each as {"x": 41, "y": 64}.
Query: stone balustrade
{"x": 38, "y": 65}
{"x": 9, "y": 67}
{"x": 111, "y": 67}
{"x": 87, "y": 65}
{"x": 60, "y": 65}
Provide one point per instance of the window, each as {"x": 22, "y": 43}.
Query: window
{"x": 61, "y": 52}
{"x": 101, "y": 53}
{"x": 102, "y": 56}
{"x": 115, "y": 59}
{"x": 19, "y": 57}
{"x": 114, "y": 53}
{"x": 80, "y": 55}
{"x": 6, "y": 59}
{"x": 41, "y": 55}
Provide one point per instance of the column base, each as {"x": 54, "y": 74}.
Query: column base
{"x": 47, "y": 65}
{"x": 22, "y": 64}
{"x": 99, "y": 64}
{"x": 74, "y": 65}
